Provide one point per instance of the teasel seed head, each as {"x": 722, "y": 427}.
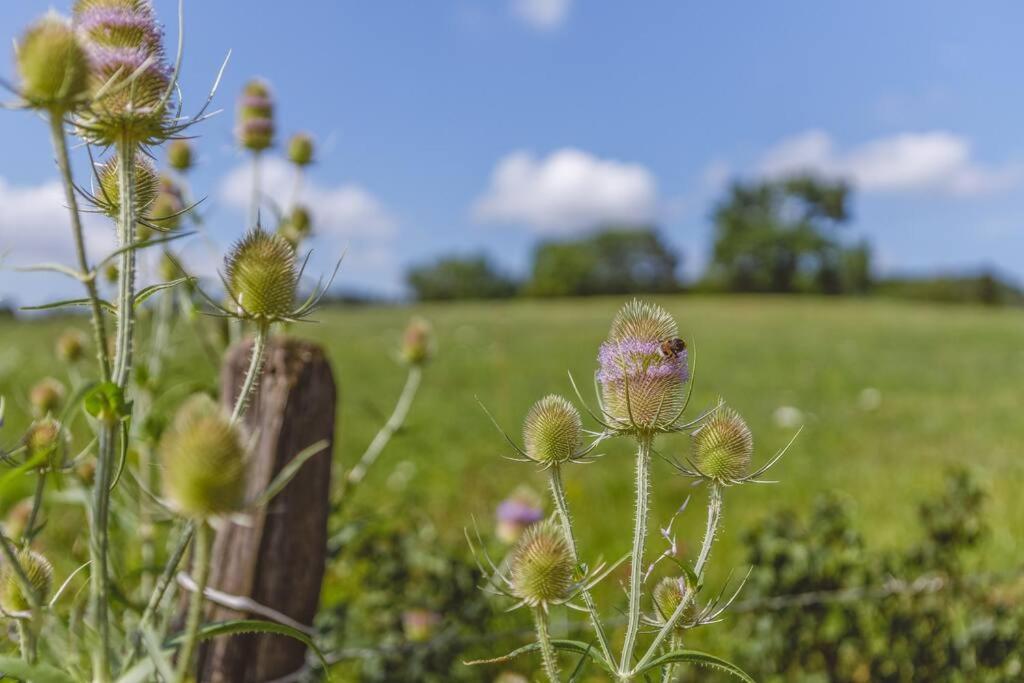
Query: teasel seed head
{"x": 53, "y": 65}
{"x": 262, "y": 275}
{"x": 667, "y": 595}
{"x": 300, "y": 149}
{"x": 179, "y": 155}
{"x": 46, "y": 397}
{"x": 723, "y": 446}
{"x": 204, "y": 461}
{"x": 552, "y": 431}
{"x": 296, "y": 227}
{"x": 108, "y": 195}
{"x": 642, "y": 368}
{"x": 39, "y": 573}
{"x": 70, "y": 346}
{"x": 256, "y": 116}
{"x": 42, "y": 440}
{"x": 417, "y": 342}
{"x": 165, "y": 211}
{"x": 542, "y": 567}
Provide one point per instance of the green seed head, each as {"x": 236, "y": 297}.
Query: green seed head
{"x": 262, "y": 275}
{"x": 542, "y": 567}
{"x": 417, "y": 342}
{"x": 179, "y": 155}
{"x": 300, "y": 149}
{"x": 146, "y": 184}
{"x": 53, "y": 66}
{"x": 553, "y": 430}
{"x": 667, "y": 596}
{"x": 204, "y": 461}
{"x": 723, "y": 446}
{"x": 46, "y": 396}
{"x": 296, "y": 227}
{"x": 70, "y": 346}
{"x": 39, "y": 573}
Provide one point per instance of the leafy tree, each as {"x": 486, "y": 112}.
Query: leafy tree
{"x": 454, "y": 277}
{"x": 613, "y": 261}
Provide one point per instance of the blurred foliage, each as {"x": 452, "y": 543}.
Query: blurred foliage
{"x": 985, "y": 288}
{"x": 454, "y": 277}
{"x": 947, "y": 624}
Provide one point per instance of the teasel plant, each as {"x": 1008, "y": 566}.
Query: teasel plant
{"x": 643, "y": 386}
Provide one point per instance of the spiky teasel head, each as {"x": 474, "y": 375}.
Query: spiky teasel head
{"x": 542, "y": 567}
{"x": 300, "y": 149}
{"x": 262, "y": 276}
{"x": 53, "y": 65}
{"x": 46, "y": 396}
{"x": 179, "y": 155}
{"x": 42, "y": 440}
{"x": 256, "y": 116}
{"x": 204, "y": 461}
{"x": 39, "y": 573}
{"x": 552, "y": 431}
{"x": 723, "y": 446}
{"x": 70, "y": 346}
{"x": 165, "y": 211}
{"x": 667, "y": 595}
{"x": 642, "y": 369}
{"x": 296, "y": 227}
{"x": 129, "y": 78}
{"x": 145, "y": 180}
{"x": 417, "y": 342}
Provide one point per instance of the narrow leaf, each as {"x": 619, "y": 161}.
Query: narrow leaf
{"x": 37, "y": 673}
{"x": 700, "y": 659}
{"x": 288, "y": 472}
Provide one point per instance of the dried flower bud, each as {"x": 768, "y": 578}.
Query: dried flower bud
{"x": 70, "y": 346}
{"x": 553, "y": 430}
{"x": 667, "y": 595}
{"x": 643, "y": 368}
{"x": 144, "y": 177}
{"x": 179, "y": 155}
{"x": 42, "y": 439}
{"x": 165, "y": 211}
{"x": 542, "y": 567}
{"x": 39, "y": 573}
{"x": 256, "y": 116}
{"x": 517, "y": 513}
{"x": 46, "y": 396}
{"x": 419, "y": 624}
{"x": 203, "y": 460}
{"x": 52, "y": 64}
{"x": 417, "y": 342}
{"x": 723, "y": 446}
{"x": 262, "y": 276}
{"x": 300, "y": 149}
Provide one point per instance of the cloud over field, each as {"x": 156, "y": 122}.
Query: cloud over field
{"x": 544, "y": 15}
{"x": 566, "y": 191}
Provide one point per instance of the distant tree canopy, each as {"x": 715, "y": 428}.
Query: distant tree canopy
{"x": 782, "y": 236}
{"x": 454, "y": 277}
{"x": 617, "y": 260}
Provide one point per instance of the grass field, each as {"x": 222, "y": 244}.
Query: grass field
{"x": 949, "y": 379}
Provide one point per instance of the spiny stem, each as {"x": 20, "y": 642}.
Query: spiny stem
{"x": 99, "y": 548}
{"x": 675, "y": 643}
{"x": 252, "y": 375}
{"x": 643, "y": 465}
{"x": 200, "y": 574}
{"x": 562, "y": 506}
{"x": 60, "y": 146}
{"x": 547, "y": 651}
{"x": 126, "y": 275}
{"x": 714, "y": 516}
{"x": 26, "y": 641}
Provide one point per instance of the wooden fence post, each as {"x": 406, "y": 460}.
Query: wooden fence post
{"x": 277, "y": 560}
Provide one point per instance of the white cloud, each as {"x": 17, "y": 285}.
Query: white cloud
{"x": 567, "y": 191}
{"x": 544, "y": 15}
{"x": 937, "y": 161}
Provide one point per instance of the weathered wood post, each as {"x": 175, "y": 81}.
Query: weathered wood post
{"x": 277, "y": 560}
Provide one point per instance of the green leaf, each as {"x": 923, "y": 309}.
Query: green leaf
{"x": 574, "y": 646}
{"x": 37, "y": 673}
{"x": 288, "y": 472}
{"x": 159, "y": 287}
{"x": 67, "y": 303}
{"x": 700, "y": 659}
{"x": 137, "y": 246}
{"x": 106, "y": 401}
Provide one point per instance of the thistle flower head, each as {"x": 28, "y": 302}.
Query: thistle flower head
{"x": 70, "y": 346}
{"x": 297, "y": 226}
{"x": 642, "y": 368}
{"x": 46, "y": 396}
{"x": 552, "y": 431}
{"x": 723, "y": 446}
{"x": 417, "y": 341}
{"x": 256, "y": 116}
{"x": 145, "y": 181}
{"x": 42, "y": 439}
{"x": 541, "y": 569}
{"x": 667, "y": 595}
{"x": 39, "y": 573}
{"x": 204, "y": 461}
{"x": 518, "y": 512}
{"x": 300, "y": 149}
{"x": 179, "y": 155}
{"x": 262, "y": 276}
{"x": 52, "y": 64}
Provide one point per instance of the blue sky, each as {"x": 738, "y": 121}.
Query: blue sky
{"x": 468, "y": 125}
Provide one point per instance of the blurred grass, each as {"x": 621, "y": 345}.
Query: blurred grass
{"x": 949, "y": 378}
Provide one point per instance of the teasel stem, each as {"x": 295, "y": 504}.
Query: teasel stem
{"x": 252, "y": 375}
{"x": 562, "y": 506}
{"x": 643, "y": 476}
{"x": 200, "y": 574}
{"x": 675, "y": 643}
{"x": 254, "y": 200}
{"x": 99, "y": 546}
{"x": 711, "y": 529}
{"x": 37, "y": 503}
{"x": 394, "y": 423}
{"x": 126, "y": 273}
{"x": 26, "y": 641}
{"x": 547, "y": 650}
{"x": 60, "y": 147}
